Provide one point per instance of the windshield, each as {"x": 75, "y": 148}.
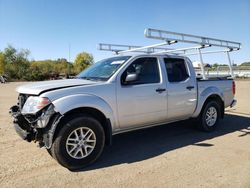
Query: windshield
{"x": 104, "y": 69}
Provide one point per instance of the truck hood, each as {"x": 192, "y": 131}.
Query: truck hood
{"x": 40, "y": 87}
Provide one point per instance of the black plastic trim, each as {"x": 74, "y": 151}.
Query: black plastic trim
{"x": 108, "y": 133}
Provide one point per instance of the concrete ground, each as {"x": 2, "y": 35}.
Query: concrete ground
{"x": 174, "y": 155}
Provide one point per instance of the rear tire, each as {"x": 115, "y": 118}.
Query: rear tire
{"x": 79, "y": 143}
{"x": 209, "y": 118}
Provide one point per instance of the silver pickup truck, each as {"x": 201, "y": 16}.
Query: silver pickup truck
{"x": 74, "y": 118}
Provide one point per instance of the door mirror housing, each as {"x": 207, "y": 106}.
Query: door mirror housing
{"x": 131, "y": 78}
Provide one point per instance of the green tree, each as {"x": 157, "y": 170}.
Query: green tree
{"x": 48, "y": 69}
{"x": 40, "y": 70}
{"x": 82, "y": 61}
{"x": 63, "y": 66}
{"x": 215, "y": 65}
{"x": 245, "y": 64}
{"x": 2, "y": 63}
{"x": 17, "y": 63}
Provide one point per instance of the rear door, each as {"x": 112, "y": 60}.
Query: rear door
{"x": 144, "y": 101}
{"x": 181, "y": 87}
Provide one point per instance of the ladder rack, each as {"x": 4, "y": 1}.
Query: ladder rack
{"x": 187, "y": 38}
{"x": 169, "y": 38}
{"x": 118, "y": 48}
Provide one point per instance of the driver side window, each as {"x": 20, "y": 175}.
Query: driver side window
{"x": 146, "y": 69}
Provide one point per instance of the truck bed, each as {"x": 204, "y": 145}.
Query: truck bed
{"x": 214, "y": 78}
{"x": 213, "y": 83}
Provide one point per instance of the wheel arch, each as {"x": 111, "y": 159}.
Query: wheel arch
{"x": 90, "y": 111}
{"x": 211, "y": 93}
{"x": 83, "y": 103}
{"x": 218, "y": 99}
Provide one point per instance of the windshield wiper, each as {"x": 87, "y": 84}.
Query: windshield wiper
{"x": 85, "y": 78}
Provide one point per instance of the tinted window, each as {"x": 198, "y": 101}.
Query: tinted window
{"x": 146, "y": 69}
{"x": 176, "y": 69}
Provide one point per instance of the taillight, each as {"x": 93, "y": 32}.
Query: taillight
{"x": 233, "y": 87}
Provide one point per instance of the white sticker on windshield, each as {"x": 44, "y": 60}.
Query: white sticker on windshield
{"x": 117, "y": 62}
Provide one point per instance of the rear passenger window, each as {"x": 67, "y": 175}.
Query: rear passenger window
{"x": 176, "y": 69}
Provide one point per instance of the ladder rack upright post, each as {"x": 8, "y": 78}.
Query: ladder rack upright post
{"x": 202, "y": 64}
{"x": 230, "y": 64}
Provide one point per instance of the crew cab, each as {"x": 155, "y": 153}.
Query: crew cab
{"x": 74, "y": 118}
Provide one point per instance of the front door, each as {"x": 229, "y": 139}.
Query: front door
{"x": 144, "y": 101}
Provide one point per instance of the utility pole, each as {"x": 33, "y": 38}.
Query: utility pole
{"x": 68, "y": 71}
{"x": 69, "y": 52}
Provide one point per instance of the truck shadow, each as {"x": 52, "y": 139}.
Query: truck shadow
{"x": 148, "y": 143}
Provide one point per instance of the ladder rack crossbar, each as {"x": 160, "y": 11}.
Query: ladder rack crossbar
{"x": 208, "y": 52}
{"x": 144, "y": 47}
{"x": 181, "y": 49}
{"x": 187, "y": 38}
{"x": 119, "y": 48}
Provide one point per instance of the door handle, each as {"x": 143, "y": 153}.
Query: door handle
{"x": 160, "y": 90}
{"x": 190, "y": 87}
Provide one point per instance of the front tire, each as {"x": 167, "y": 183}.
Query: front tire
{"x": 209, "y": 117}
{"x": 79, "y": 143}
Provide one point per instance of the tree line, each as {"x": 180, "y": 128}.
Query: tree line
{"x": 15, "y": 65}
{"x": 242, "y": 66}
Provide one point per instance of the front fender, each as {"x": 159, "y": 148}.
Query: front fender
{"x": 203, "y": 96}
{"x": 68, "y": 103}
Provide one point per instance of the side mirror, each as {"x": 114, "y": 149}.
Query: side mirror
{"x": 131, "y": 78}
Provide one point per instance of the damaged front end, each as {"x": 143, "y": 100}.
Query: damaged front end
{"x": 38, "y": 126}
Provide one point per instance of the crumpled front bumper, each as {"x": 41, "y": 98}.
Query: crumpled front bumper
{"x": 21, "y": 125}
{"x": 39, "y": 127}
{"x": 21, "y": 132}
